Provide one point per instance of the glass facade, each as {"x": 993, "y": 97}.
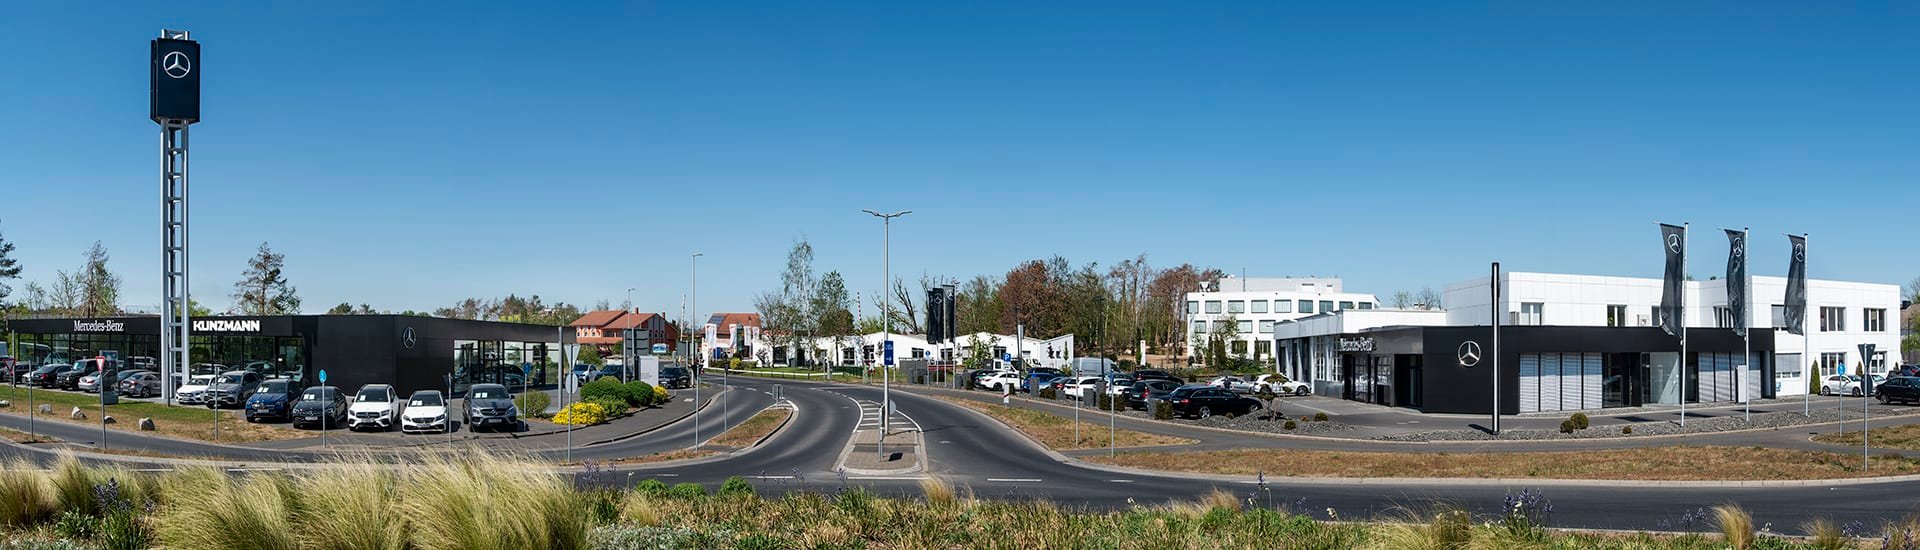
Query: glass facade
{"x": 495, "y": 362}
{"x": 272, "y": 356}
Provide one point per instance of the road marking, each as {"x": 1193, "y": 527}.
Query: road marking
{"x": 885, "y": 478}
{"x": 152, "y": 469}
{"x": 1013, "y": 480}
{"x": 667, "y": 475}
{"x": 1120, "y": 481}
{"x": 769, "y": 477}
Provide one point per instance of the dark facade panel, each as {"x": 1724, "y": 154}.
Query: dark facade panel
{"x": 1450, "y": 388}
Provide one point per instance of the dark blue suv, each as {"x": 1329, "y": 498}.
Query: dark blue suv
{"x": 274, "y": 400}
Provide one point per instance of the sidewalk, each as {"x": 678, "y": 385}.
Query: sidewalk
{"x": 638, "y": 422}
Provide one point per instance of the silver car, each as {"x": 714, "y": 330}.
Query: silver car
{"x": 140, "y": 384}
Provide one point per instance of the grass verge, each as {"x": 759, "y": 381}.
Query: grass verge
{"x": 175, "y": 421}
{"x": 1904, "y": 436}
{"x": 1058, "y": 433}
{"x": 747, "y": 433}
{"x": 1680, "y": 463}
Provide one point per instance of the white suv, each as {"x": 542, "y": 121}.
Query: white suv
{"x": 374, "y": 407}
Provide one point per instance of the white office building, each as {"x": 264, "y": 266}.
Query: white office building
{"x": 1255, "y": 305}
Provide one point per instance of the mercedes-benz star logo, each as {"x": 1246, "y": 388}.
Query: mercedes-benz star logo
{"x": 1673, "y": 242}
{"x": 406, "y": 338}
{"x": 176, "y": 65}
{"x": 1800, "y": 252}
{"x": 1739, "y": 248}
{"x": 1469, "y": 353}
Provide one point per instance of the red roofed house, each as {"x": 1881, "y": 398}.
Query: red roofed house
{"x": 604, "y": 329}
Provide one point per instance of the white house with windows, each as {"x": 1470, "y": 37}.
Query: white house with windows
{"x": 866, "y": 349}
{"x": 1256, "y": 304}
{"x": 1840, "y": 314}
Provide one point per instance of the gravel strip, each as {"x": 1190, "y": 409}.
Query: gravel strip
{"x": 1663, "y": 427}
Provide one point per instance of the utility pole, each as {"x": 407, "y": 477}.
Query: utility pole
{"x": 886, "y": 332}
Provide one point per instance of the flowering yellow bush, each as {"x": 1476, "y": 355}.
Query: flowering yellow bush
{"x": 660, "y": 395}
{"x": 580, "y": 414}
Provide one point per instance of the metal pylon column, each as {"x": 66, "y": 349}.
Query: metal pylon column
{"x": 174, "y": 311}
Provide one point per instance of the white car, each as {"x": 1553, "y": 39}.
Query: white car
{"x": 1279, "y": 384}
{"x": 374, "y": 407}
{"x": 1000, "y": 381}
{"x": 426, "y": 412}
{"x": 1235, "y": 383}
{"x": 1080, "y": 387}
{"x": 1835, "y": 384}
{"x": 194, "y": 391}
{"x": 1853, "y": 384}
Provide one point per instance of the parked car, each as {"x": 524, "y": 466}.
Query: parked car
{"x": 1080, "y": 387}
{"x": 193, "y": 392}
{"x": 1853, "y": 384}
{"x": 1046, "y": 370}
{"x": 1899, "y": 389}
{"x": 1278, "y": 383}
{"x": 426, "y": 412}
{"x": 89, "y": 384}
{"x": 616, "y": 372}
{"x": 231, "y": 389}
{"x": 1908, "y": 369}
{"x": 1834, "y": 384}
{"x": 141, "y": 362}
{"x": 583, "y": 372}
{"x": 1205, "y": 401}
{"x": 273, "y": 400}
{"x": 1033, "y": 383}
{"x": 1155, "y": 374}
{"x": 1232, "y": 383}
{"x": 1001, "y": 381}
{"x": 1141, "y": 392}
{"x": 675, "y": 377}
{"x": 491, "y": 406}
{"x": 140, "y": 384}
{"x": 374, "y": 407}
{"x": 45, "y": 376}
{"x": 70, "y": 379}
{"x": 1117, "y": 385}
{"x": 322, "y": 406}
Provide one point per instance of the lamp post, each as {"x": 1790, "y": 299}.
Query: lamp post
{"x": 886, "y": 331}
{"x": 693, "y": 293}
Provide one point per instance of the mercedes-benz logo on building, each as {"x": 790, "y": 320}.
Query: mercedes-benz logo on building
{"x": 406, "y": 338}
{"x": 1469, "y": 353}
{"x": 1673, "y": 243}
{"x": 176, "y": 65}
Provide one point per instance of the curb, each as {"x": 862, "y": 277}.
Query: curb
{"x": 920, "y": 455}
{"x": 777, "y": 430}
{"x": 696, "y": 410}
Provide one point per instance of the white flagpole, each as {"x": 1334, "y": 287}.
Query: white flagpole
{"x": 1686, "y": 236}
{"x": 1746, "y": 337}
{"x": 1806, "y": 339}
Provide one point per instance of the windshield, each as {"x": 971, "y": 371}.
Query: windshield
{"x": 371, "y": 394}
{"x": 227, "y": 379}
{"x": 317, "y": 394}
{"x": 201, "y": 380}
{"x": 426, "y": 400}
{"x": 488, "y": 393}
{"x": 274, "y": 386}
{"x": 581, "y": 368}
{"x": 674, "y": 371}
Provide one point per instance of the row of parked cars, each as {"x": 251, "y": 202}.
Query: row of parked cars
{"x": 1224, "y": 394}
{"x": 378, "y": 407}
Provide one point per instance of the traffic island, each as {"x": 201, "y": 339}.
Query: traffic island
{"x": 902, "y": 453}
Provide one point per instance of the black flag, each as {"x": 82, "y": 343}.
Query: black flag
{"x": 1796, "y": 306}
{"x": 1673, "y": 240}
{"x": 1737, "y": 280}
{"x": 936, "y": 315}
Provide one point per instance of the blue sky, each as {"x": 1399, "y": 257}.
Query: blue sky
{"x": 410, "y": 155}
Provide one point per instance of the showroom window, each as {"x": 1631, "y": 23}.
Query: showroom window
{"x": 1236, "y": 307}
{"x": 1213, "y": 306}
{"x": 1259, "y": 306}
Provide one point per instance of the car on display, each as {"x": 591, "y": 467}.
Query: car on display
{"x": 1046, "y": 370}
{"x": 1080, "y": 387}
{"x": 70, "y": 378}
{"x": 1117, "y": 385}
{"x": 1033, "y": 383}
{"x": 583, "y": 372}
{"x": 1899, "y": 389}
{"x": 426, "y": 412}
{"x": 1853, "y": 385}
{"x": 273, "y": 400}
{"x": 320, "y": 406}
{"x": 1001, "y": 381}
{"x": 615, "y": 372}
{"x": 88, "y": 384}
{"x": 675, "y": 378}
{"x": 140, "y": 384}
{"x": 374, "y": 407}
{"x": 490, "y": 406}
{"x": 1835, "y": 384}
{"x": 193, "y": 392}
{"x": 232, "y": 388}
{"x": 1145, "y": 391}
{"x": 1154, "y": 374}
{"x": 1232, "y": 383}
{"x": 46, "y": 375}
{"x": 1280, "y": 384}
{"x": 1209, "y": 400}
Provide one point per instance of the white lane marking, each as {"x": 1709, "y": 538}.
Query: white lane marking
{"x": 152, "y": 469}
{"x": 667, "y": 475}
{"x": 885, "y": 478}
{"x": 769, "y": 477}
{"x": 1013, "y": 480}
{"x": 1120, "y": 481}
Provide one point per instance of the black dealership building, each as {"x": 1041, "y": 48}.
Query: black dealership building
{"x": 410, "y": 352}
{"x": 1541, "y": 368}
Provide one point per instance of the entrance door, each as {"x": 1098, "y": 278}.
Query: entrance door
{"x": 1617, "y": 383}
{"x": 1346, "y": 376}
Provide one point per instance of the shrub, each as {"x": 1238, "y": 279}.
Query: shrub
{"x": 608, "y": 388}
{"x": 686, "y": 491}
{"x": 610, "y": 408}
{"x": 73, "y": 486}
{"x": 1566, "y": 426}
{"x": 74, "y": 525}
{"x": 1289, "y": 425}
{"x": 1162, "y": 410}
{"x": 206, "y": 508}
{"x": 651, "y": 487}
{"x": 661, "y": 395}
{"x": 735, "y": 486}
{"x": 352, "y": 505}
{"x": 639, "y": 393}
{"x": 1321, "y": 417}
{"x": 1626, "y": 430}
{"x": 459, "y": 501}
{"x": 580, "y": 414}
{"x": 1049, "y": 392}
{"x": 1579, "y": 421}
{"x": 532, "y": 403}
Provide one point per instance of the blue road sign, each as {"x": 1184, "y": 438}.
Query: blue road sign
{"x": 888, "y": 345}
{"x": 323, "y": 376}
{"x": 526, "y": 369}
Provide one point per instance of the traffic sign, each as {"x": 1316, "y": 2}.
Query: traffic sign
{"x": 659, "y": 349}
{"x": 888, "y": 357}
{"x": 526, "y": 369}
{"x": 323, "y": 376}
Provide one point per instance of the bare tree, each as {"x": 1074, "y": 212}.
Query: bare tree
{"x": 1427, "y": 299}
{"x": 263, "y": 288}
{"x": 99, "y": 287}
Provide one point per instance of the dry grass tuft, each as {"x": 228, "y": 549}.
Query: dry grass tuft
{"x": 25, "y": 497}
{"x": 1824, "y": 534}
{"x": 1736, "y": 526}
{"x": 1679, "y": 463}
{"x": 1057, "y": 432}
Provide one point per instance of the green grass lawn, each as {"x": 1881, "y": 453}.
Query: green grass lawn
{"x": 185, "y": 421}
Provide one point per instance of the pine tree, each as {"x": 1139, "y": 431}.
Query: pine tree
{"x": 263, "y": 288}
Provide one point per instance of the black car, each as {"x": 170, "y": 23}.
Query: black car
{"x": 1205, "y": 401}
{"x": 675, "y": 377}
{"x": 1899, "y": 389}
{"x": 490, "y": 406}
{"x": 320, "y": 406}
{"x": 609, "y": 371}
{"x": 46, "y": 375}
{"x": 1142, "y": 391}
{"x": 1154, "y": 374}
{"x": 70, "y": 379}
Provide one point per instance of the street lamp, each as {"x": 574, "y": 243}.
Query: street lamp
{"x": 886, "y": 323}
{"x": 693, "y": 282}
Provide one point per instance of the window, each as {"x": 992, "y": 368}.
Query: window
{"x": 1346, "y": 306}
{"x": 1829, "y": 363}
{"x": 1779, "y": 316}
{"x": 1326, "y": 306}
{"x": 1239, "y": 347}
{"x": 1236, "y": 307}
{"x": 1259, "y": 306}
{"x": 1199, "y": 327}
{"x": 1246, "y": 327}
{"x": 1617, "y": 315}
{"x": 1263, "y": 348}
{"x": 1366, "y": 305}
{"x": 1193, "y": 307}
{"x": 1283, "y": 306}
{"x": 1833, "y": 319}
{"x": 1532, "y": 313}
{"x": 1876, "y": 320}
{"x": 1213, "y": 306}
{"x": 1266, "y": 327}
{"x": 1306, "y": 306}
{"x": 1722, "y": 317}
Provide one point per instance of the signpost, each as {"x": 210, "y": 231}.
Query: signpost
{"x": 572, "y": 353}
{"x": 1866, "y": 393}
{"x": 326, "y": 409}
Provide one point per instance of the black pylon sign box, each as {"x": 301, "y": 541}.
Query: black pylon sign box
{"x": 175, "y": 74}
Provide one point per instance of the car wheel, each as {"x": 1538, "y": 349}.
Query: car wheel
{"x": 1301, "y": 391}
{"x": 1205, "y": 412}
